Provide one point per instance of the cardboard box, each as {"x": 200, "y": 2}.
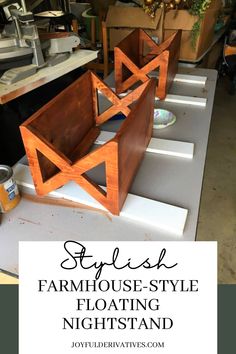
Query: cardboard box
{"x": 182, "y": 19}
{"x": 122, "y": 20}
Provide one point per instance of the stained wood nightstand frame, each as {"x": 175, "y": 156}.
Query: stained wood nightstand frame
{"x": 133, "y": 65}
{"x": 58, "y": 139}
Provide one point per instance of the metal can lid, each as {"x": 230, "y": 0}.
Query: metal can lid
{"x": 5, "y": 173}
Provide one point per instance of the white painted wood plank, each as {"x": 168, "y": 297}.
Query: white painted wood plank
{"x": 160, "y": 215}
{"x": 189, "y": 100}
{"x": 185, "y": 78}
{"x": 157, "y": 146}
{"x": 171, "y": 148}
{"x": 146, "y": 211}
{"x": 46, "y": 74}
{"x": 191, "y": 79}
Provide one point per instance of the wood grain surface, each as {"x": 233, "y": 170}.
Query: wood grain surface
{"x": 133, "y": 139}
{"x": 59, "y": 136}
{"x": 137, "y": 55}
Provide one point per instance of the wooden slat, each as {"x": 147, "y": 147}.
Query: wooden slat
{"x": 153, "y": 213}
{"x": 188, "y": 100}
{"x": 157, "y": 146}
{"x": 171, "y": 148}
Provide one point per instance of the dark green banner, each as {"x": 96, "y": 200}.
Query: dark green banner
{"x": 226, "y": 319}
{"x": 9, "y": 319}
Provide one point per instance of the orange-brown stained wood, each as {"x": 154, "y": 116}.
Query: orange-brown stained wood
{"x": 64, "y": 121}
{"x": 133, "y": 139}
{"x": 52, "y": 35}
{"x": 133, "y": 64}
{"x": 58, "y": 138}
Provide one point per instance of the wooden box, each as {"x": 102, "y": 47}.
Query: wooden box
{"x": 137, "y": 55}
{"x": 58, "y": 139}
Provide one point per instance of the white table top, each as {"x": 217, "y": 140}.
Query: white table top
{"x": 45, "y": 75}
{"x": 172, "y": 180}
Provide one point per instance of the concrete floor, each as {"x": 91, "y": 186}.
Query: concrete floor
{"x": 217, "y": 218}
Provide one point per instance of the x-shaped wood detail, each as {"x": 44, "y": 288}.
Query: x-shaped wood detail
{"x": 120, "y": 104}
{"x": 164, "y": 56}
{"x": 80, "y": 160}
{"x": 74, "y": 171}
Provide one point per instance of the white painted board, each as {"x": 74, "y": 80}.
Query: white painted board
{"x": 157, "y": 146}
{"x": 185, "y": 78}
{"x": 191, "y": 79}
{"x": 171, "y": 148}
{"x": 142, "y": 210}
{"x": 186, "y": 100}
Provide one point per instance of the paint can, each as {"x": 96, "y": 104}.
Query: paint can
{"x": 9, "y": 194}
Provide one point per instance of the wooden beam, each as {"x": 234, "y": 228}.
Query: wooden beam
{"x": 57, "y": 141}
{"x": 133, "y": 64}
{"x": 185, "y": 78}
{"x": 189, "y": 100}
{"x": 146, "y": 211}
{"x": 157, "y": 146}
